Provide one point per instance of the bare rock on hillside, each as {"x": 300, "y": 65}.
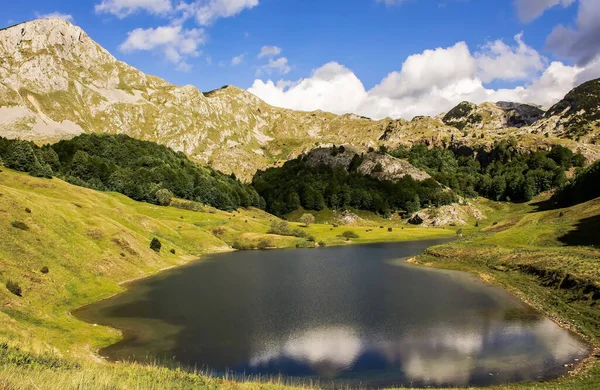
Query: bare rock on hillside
{"x": 454, "y": 214}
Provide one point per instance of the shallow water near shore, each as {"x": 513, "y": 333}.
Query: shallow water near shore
{"x": 349, "y": 314}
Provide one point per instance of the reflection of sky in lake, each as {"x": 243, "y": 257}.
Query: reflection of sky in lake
{"x": 340, "y": 313}
{"x": 436, "y": 356}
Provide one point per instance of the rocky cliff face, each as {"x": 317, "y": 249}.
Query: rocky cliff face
{"x": 500, "y": 115}
{"x": 56, "y": 82}
{"x": 380, "y": 166}
{"x": 577, "y": 116}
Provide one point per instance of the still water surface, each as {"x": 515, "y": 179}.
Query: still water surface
{"x": 352, "y": 314}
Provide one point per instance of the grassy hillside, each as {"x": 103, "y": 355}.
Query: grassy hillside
{"x": 91, "y": 241}
{"x": 550, "y": 259}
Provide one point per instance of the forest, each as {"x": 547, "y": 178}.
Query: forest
{"x": 296, "y": 184}
{"x": 503, "y": 173}
{"x": 583, "y": 187}
{"x": 149, "y": 172}
{"x": 142, "y": 170}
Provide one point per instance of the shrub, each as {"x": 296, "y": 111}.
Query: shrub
{"x": 349, "y": 234}
{"x": 155, "y": 245}
{"x": 27, "y": 210}
{"x": 281, "y": 228}
{"x": 14, "y": 288}
{"x": 20, "y": 225}
{"x": 219, "y": 231}
{"x": 95, "y": 234}
{"x": 172, "y": 251}
{"x": 390, "y": 229}
{"x": 163, "y": 197}
{"x": 242, "y": 245}
{"x": 307, "y": 219}
{"x": 322, "y": 243}
{"x": 459, "y": 232}
{"x": 264, "y": 244}
{"x": 44, "y": 270}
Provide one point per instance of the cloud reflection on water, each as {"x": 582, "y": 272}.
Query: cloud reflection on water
{"x": 448, "y": 353}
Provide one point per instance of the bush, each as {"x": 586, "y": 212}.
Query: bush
{"x": 459, "y": 232}
{"x": 307, "y": 219}
{"x": 264, "y": 244}
{"x": 322, "y": 243}
{"x": 219, "y": 231}
{"x": 163, "y": 197}
{"x": 348, "y": 235}
{"x": 14, "y": 288}
{"x": 155, "y": 245}
{"x": 172, "y": 251}
{"x": 20, "y": 225}
{"x": 27, "y": 210}
{"x": 44, "y": 270}
{"x": 242, "y": 245}
{"x": 390, "y": 229}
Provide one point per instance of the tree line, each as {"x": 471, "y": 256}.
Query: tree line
{"x": 583, "y": 187}
{"x": 142, "y": 170}
{"x": 297, "y": 184}
{"x": 503, "y": 173}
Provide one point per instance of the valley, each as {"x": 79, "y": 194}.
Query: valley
{"x": 110, "y": 176}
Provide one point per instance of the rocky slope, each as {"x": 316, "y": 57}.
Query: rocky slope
{"x": 492, "y": 116}
{"x": 577, "y": 116}
{"x": 380, "y": 166}
{"x": 56, "y": 82}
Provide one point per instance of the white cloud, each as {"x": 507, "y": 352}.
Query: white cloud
{"x": 583, "y": 42}
{"x": 59, "y": 15}
{"x": 123, "y": 8}
{"x": 269, "y": 51}
{"x": 175, "y": 42}
{"x": 431, "y": 82}
{"x": 430, "y": 69}
{"x": 237, "y": 59}
{"x": 529, "y": 10}
{"x": 207, "y": 11}
{"x": 279, "y": 65}
{"x": 332, "y": 87}
{"x": 497, "y": 60}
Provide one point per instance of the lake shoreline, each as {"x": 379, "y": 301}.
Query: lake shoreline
{"x": 582, "y": 366}
{"x": 579, "y": 367}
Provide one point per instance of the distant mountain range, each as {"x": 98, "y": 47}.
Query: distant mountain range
{"x": 56, "y": 82}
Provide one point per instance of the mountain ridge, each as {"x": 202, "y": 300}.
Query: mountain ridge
{"x": 57, "y": 82}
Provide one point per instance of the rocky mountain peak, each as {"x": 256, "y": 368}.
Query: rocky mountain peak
{"x": 577, "y": 115}
{"x": 492, "y": 116}
{"x": 56, "y": 82}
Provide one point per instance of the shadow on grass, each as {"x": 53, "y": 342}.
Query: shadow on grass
{"x": 587, "y": 233}
{"x": 544, "y": 205}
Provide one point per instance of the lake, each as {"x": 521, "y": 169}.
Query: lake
{"x": 352, "y": 315}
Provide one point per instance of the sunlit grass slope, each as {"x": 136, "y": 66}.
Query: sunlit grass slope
{"x": 91, "y": 241}
{"x": 549, "y": 258}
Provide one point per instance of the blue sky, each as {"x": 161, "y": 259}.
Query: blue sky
{"x": 366, "y": 40}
